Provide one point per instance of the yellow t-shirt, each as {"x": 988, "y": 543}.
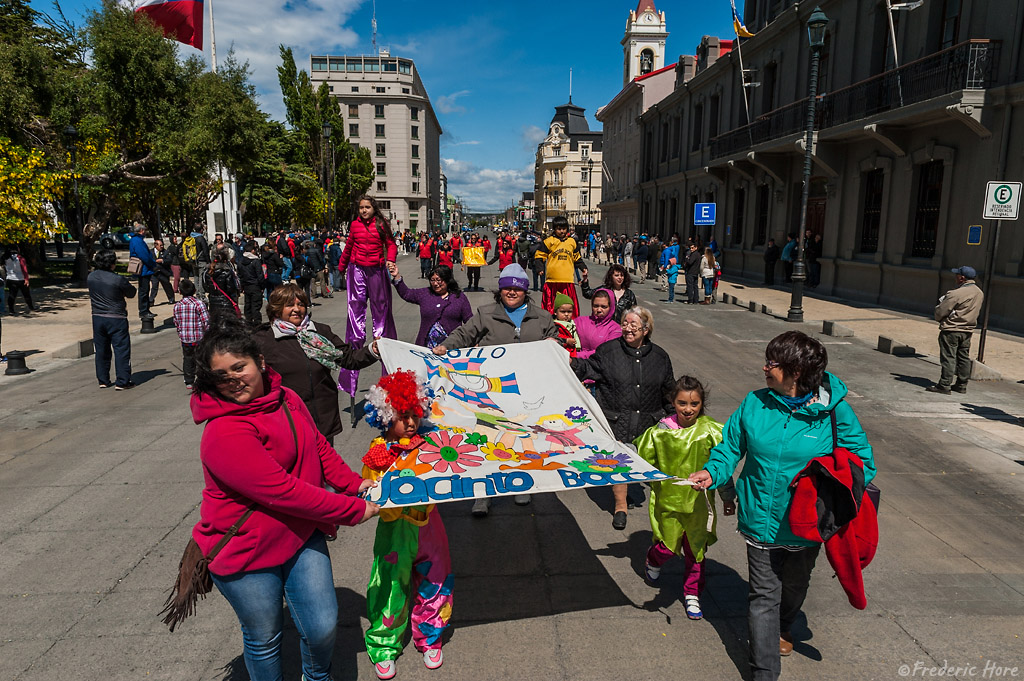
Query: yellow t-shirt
{"x": 561, "y": 257}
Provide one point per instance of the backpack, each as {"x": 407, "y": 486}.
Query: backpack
{"x": 189, "y": 250}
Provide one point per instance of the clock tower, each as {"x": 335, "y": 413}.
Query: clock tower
{"x": 643, "y": 46}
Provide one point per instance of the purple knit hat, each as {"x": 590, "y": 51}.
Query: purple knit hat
{"x": 514, "y": 276}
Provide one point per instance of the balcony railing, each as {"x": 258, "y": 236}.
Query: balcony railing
{"x": 971, "y": 65}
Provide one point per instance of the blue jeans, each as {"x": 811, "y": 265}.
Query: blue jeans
{"x": 286, "y": 273}
{"x": 307, "y": 583}
{"x": 111, "y": 333}
{"x": 709, "y": 284}
{"x": 671, "y": 290}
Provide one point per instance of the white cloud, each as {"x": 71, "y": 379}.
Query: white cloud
{"x": 255, "y": 28}
{"x": 532, "y": 136}
{"x": 446, "y": 104}
{"x": 486, "y": 189}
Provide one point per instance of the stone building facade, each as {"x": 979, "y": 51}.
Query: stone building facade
{"x": 906, "y": 141}
{"x": 567, "y": 170}
{"x": 386, "y": 109}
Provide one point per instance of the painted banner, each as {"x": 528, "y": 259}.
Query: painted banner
{"x": 473, "y": 256}
{"x": 511, "y": 419}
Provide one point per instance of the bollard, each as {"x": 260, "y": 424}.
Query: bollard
{"x": 16, "y": 363}
{"x": 147, "y": 325}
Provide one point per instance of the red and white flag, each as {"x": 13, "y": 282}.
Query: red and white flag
{"x": 180, "y": 19}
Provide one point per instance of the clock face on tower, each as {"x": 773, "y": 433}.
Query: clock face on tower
{"x": 648, "y": 17}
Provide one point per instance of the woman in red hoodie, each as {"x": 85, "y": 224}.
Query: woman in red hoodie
{"x": 261, "y": 451}
{"x": 369, "y": 252}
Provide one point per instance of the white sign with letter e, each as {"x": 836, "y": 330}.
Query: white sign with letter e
{"x": 1002, "y": 200}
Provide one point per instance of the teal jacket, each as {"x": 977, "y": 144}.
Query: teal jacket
{"x": 776, "y": 445}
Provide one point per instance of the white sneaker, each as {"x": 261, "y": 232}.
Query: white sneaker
{"x": 481, "y": 507}
{"x": 522, "y": 499}
{"x": 693, "y": 607}
{"x": 386, "y": 669}
{"x": 433, "y": 658}
{"x": 653, "y": 573}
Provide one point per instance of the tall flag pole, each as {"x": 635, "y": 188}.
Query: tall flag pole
{"x": 213, "y": 40}
{"x": 741, "y": 32}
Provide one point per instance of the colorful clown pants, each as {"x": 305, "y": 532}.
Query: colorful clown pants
{"x": 409, "y": 561}
{"x": 366, "y": 284}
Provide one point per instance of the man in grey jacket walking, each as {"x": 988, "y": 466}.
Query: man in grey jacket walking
{"x": 957, "y": 315}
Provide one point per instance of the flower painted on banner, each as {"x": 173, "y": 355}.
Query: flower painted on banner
{"x": 499, "y": 452}
{"x": 447, "y": 452}
{"x": 408, "y": 466}
{"x": 576, "y": 414}
{"x": 478, "y": 439}
{"x": 604, "y": 462}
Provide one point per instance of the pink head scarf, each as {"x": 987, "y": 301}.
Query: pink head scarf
{"x": 593, "y": 332}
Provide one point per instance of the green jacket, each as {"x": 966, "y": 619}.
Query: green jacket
{"x": 777, "y": 444}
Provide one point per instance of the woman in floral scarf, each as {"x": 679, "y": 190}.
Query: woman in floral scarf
{"x": 306, "y": 354}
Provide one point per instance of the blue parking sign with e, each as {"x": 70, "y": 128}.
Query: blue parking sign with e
{"x": 704, "y": 214}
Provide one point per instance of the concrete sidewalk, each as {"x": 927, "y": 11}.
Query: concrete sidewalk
{"x": 1004, "y": 353}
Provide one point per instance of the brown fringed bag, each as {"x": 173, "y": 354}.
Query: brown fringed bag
{"x": 194, "y": 580}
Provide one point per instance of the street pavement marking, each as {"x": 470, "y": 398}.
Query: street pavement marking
{"x": 674, "y": 314}
{"x": 961, "y": 416}
{"x": 699, "y": 326}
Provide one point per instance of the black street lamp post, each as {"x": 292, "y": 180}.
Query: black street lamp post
{"x": 590, "y": 193}
{"x": 816, "y": 24}
{"x": 81, "y": 268}
{"x": 326, "y": 170}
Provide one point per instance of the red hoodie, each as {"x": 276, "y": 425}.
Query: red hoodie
{"x": 364, "y": 247}
{"x": 248, "y": 455}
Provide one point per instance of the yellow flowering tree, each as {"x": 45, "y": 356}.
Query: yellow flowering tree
{"x": 27, "y": 187}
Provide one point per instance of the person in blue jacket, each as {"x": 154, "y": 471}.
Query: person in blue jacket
{"x": 669, "y": 252}
{"x": 778, "y": 430}
{"x": 137, "y": 248}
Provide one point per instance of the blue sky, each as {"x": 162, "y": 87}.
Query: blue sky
{"x": 494, "y": 71}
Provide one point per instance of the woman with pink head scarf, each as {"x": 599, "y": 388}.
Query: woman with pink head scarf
{"x": 600, "y": 326}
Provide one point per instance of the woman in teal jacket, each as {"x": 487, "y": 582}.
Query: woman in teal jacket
{"x": 777, "y": 430}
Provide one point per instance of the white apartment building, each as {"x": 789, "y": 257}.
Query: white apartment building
{"x": 567, "y": 170}
{"x": 386, "y": 109}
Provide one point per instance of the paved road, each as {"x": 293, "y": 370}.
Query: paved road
{"x": 98, "y": 492}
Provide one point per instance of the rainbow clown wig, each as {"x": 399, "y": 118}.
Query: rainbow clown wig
{"x": 401, "y": 392}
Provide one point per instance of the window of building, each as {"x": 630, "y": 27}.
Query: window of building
{"x": 584, "y": 175}
{"x": 384, "y": 205}
{"x": 353, "y": 111}
{"x": 319, "y": 64}
{"x": 355, "y": 88}
{"x": 330, "y": 88}
{"x": 698, "y": 128}
{"x": 739, "y": 207}
{"x": 353, "y": 66}
{"x": 926, "y": 214}
{"x": 382, "y": 186}
{"x": 713, "y": 114}
{"x": 380, "y": 90}
{"x": 824, "y": 64}
{"x": 556, "y": 151}
{"x": 378, "y": 130}
{"x": 415, "y": 187}
{"x": 405, "y": 91}
{"x": 584, "y": 151}
{"x": 415, "y": 169}
{"x": 380, "y": 150}
{"x": 871, "y": 209}
{"x": 769, "y": 78}
{"x": 337, "y": 65}
{"x": 664, "y": 142}
{"x": 390, "y": 66}
{"x": 404, "y": 67}
{"x": 415, "y": 132}
{"x": 414, "y": 113}
{"x": 378, "y": 111}
{"x": 556, "y": 176}
{"x": 415, "y": 151}
{"x": 373, "y": 66}
{"x": 584, "y": 198}
{"x": 414, "y": 205}
{"x": 677, "y": 136}
{"x": 353, "y": 130}
{"x": 382, "y": 168}
{"x": 950, "y": 22}
{"x": 763, "y": 212}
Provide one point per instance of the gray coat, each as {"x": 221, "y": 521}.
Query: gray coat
{"x": 491, "y": 326}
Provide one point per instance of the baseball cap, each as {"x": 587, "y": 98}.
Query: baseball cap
{"x": 965, "y": 271}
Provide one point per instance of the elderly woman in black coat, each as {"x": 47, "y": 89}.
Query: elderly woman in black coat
{"x": 633, "y": 378}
